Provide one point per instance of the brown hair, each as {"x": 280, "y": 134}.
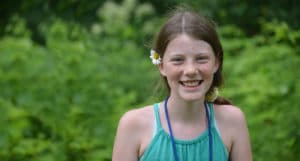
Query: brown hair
{"x": 199, "y": 27}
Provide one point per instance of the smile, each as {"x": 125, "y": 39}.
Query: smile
{"x": 191, "y": 83}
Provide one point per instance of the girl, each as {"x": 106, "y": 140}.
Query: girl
{"x": 192, "y": 123}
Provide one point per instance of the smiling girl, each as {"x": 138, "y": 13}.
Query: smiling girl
{"x": 192, "y": 123}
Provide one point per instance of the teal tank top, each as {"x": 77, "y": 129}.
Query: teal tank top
{"x": 197, "y": 149}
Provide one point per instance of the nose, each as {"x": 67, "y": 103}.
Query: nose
{"x": 190, "y": 69}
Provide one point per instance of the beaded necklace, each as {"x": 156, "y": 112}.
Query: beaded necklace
{"x": 172, "y": 137}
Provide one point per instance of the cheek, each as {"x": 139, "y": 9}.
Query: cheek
{"x": 207, "y": 70}
{"x": 172, "y": 72}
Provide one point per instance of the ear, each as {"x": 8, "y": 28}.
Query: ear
{"x": 216, "y": 65}
{"x": 161, "y": 69}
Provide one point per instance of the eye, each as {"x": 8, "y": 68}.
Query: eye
{"x": 177, "y": 60}
{"x": 202, "y": 59}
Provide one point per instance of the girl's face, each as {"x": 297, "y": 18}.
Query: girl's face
{"x": 189, "y": 66}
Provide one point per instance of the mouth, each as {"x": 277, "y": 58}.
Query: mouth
{"x": 191, "y": 83}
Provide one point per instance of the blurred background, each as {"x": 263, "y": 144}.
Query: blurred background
{"x": 69, "y": 70}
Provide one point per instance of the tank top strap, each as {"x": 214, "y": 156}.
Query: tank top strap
{"x": 157, "y": 117}
{"x": 211, "y": 114}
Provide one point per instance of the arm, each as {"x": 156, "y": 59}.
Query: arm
{"x": 241, "y": 148}
{"x": 126, "y": 144}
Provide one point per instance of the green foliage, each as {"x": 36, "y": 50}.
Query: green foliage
{"x": 62, "y": 101}
{"x": 262, "y": 80}
{"x": 17, "y": 27}
{"x": 249, "y": 15}
{"x": 61, "y": 97}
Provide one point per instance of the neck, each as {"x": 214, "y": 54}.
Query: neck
{"x": 186, "y": 111}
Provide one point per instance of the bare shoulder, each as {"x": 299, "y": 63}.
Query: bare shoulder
{"x": 233, "y": 126}
{"x": 132, "y": 128}
{"x": 137, "y": 117}
{"x": 231, "y": 122}
{"x": 230, "y": 114}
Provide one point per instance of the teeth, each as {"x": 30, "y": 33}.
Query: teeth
{"x": 190, "y": 83}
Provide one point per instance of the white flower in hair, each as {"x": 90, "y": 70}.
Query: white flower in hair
{"x": 154, "y": 56}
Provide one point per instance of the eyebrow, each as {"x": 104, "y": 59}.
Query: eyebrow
{"x": 181, "y": 54}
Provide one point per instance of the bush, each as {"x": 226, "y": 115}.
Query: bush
{"x": 61, "y": 100}
{"x": 262, "y": 79}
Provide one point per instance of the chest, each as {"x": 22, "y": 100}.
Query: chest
{"x": 188, "y": 150}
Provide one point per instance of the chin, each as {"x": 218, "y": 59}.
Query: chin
{"x": 192, "y": 97}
